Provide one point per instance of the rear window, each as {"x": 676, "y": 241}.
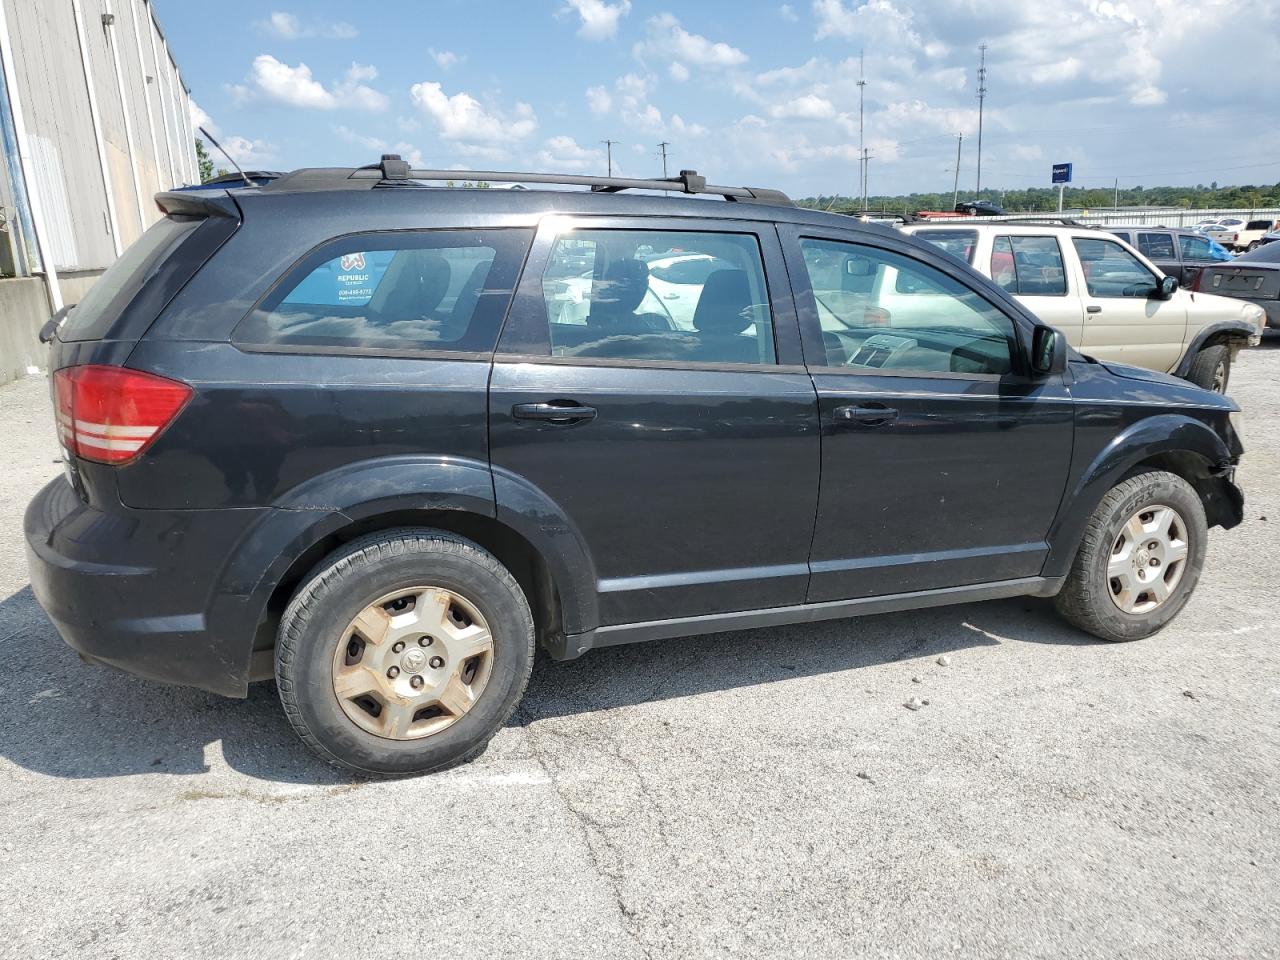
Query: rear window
{"x": 93, "y": 316}
{"x": 414, "y": 291}
{"x": 1156, "y": 246}
{"x": 958, "y": 243}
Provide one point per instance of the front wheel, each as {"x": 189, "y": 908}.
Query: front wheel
{"x": 404, "y": 652}
{"x": 1139, "y": 560}
{"x": 1211, "y": 368}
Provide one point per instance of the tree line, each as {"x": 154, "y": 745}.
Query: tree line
{"x": 1041, "y": 199}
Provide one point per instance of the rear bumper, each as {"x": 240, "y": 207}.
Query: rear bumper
{"x": 132, "y": 588}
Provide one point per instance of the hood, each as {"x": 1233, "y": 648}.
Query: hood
{"x": 1130, "y": 372}
{"x": 1177, "y": 391}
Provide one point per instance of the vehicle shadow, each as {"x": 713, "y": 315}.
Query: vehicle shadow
{"x": 61, "y": 717}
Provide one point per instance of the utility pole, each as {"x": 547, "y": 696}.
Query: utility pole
{"x": 955, "y": 190}
{"x": 866, "y": 165}
{"x": 1115, "y": 205}
{"x": 609, "y": 147}
{"x": 862, "y": 144}
{"x": 663, "y": 147}
{"x": 982, "y": 96}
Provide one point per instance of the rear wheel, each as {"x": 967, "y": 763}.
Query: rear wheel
{"x": 404, "y": 652}
{"x": 1211, "y": 368}
{"x": 1139, "y": 560}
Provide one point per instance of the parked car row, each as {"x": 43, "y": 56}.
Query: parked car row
{"x": 1110, "y": 300}
{"x": 1235, "y": 233}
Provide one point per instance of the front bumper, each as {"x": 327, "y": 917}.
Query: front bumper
{"x": 131, "y": 588}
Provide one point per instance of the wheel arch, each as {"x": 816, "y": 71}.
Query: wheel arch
{"x": 1176, "y": 443}
{"x": 530, "y": 536}
{"x": 1233, "y": 333}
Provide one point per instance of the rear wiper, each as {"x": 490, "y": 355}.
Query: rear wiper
{"x": 51, "y": 325}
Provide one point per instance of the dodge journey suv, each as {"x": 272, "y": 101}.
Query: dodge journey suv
{"x": 380, "y": 439}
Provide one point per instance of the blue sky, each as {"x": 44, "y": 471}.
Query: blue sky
{"x": 1150, "y": 91}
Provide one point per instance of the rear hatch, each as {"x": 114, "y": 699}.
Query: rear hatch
{"x": 1249, "y": 281}
{"x": 104, "y": 411}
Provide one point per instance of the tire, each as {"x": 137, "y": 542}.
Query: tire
{"x": 1253, "y": 246}
{"x": 1211, "y": 368}
{"x": 1088, "y": 600}
{"x": 384, "y": 732}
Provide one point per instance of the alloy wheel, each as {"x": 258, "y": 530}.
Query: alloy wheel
{"x": 412, "y": 663}
{"x": 1148, "y": 559}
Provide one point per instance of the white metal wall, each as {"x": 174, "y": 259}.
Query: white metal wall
{"x": 107, "y": 122}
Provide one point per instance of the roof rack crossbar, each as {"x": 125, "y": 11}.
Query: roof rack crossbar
{"x": 391, "y": 169}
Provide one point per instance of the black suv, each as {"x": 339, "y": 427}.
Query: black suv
{"x": 378, "y": 439}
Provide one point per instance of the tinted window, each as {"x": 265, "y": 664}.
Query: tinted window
{"x": 958, "y": 243}
{"x": 1258, "y": 225}
{"x": 1112, "y": 271}
{"x": 693, "y": 270}
{"x": 432, "y": 291}
{"x": 1202, "y": 248}
{"x": 1157, "y": 246}
{"x": 114, "y": 290}
{"x": 1029, "y": 266}
{"x": 714, "y": 310}
{"x": 1127, "y": 238}
{"x": 883, "y": 311}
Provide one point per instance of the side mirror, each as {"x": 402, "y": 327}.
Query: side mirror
{"x": 1168, "y": 287}
{"x": 1048, "y": 352}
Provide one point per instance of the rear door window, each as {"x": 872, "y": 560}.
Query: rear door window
{"x": 1157, "y": 246}
{"x": 658, "y": 295}
{"x": 107, "y": 298}
{"x": 958, "y": 243}
{"x": 1029, "y": 266}
{"x": 415, "y": 291}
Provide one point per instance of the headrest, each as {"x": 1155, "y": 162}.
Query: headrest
{"x": 620, "y": 288}
{"x": 725, "y": 304}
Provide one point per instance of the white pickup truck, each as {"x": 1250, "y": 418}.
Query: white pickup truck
{"x": 1110, "y": 301}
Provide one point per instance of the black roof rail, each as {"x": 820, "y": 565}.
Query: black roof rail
{"x": 391, "y": 170}
{"x": 1061, "y": 221}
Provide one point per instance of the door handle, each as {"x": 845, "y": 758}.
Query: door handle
{"x": 554, "y": 412}
{"x": 1093, "y": 308}
{"x": 870, "y": 415}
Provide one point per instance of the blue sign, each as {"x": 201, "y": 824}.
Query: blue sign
{"x": 1062, "y": 173}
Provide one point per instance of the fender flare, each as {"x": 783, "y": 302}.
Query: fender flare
{"x": 1163, "y": 433}
{"x": 332, "y": 501}
{"x": 1233, "y": 327}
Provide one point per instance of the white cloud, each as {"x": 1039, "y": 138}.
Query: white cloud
{"x": 446, "y": 59}
{"x": 463, "y": 118}
{"x": 288, "y": 26}
{"x": 599, "y": 100}
{"x": 668, "y": 40}
{"x": 411, "y": 154}
{"x": 369, "y": 143}
{"x": 564, "y": 153}
{"x": 248, "y": 153}
{"x": 787, "y": 13}
{"x": 679, "y": 72}
{"x": 272, "y": 80}
{"x": 599, "y": 20}
{"x": 1148, "y": 95}
{"x": 201, "y": 119}
{"x": 807, "y": 107}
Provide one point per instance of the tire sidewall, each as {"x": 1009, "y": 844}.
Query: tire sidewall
{"x": 339, "y": 592}
{"x": 1186, "y": 502}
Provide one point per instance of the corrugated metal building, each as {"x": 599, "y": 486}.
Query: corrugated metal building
{"x": 94, "y": 120}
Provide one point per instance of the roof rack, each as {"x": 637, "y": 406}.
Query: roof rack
{"x": 1062, "y": 221}
{"x": 392, "y": 171}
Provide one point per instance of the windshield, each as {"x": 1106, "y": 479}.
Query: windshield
{"x": 1267, "y": 253}
{"x": 958, "y": 243}
{"x": 92, "y": 316}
